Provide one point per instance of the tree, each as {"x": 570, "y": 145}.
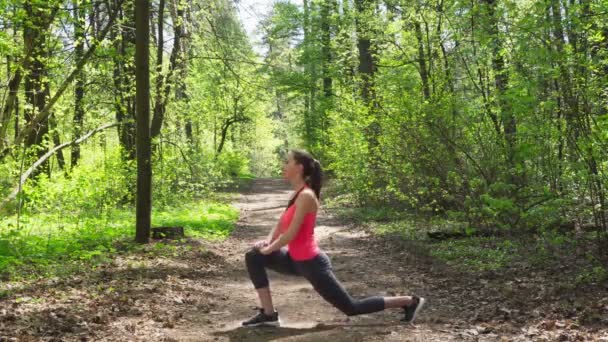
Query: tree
{"x": 37, "y": 89}
{"x": 123, "y": 76}
{"x": 142, "y": 76}
{"x": 79, "y": 40}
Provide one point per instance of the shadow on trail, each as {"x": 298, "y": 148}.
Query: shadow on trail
{"x": 319, "y": 332}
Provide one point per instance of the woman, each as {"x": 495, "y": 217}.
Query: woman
{"x": 303, "y": 257}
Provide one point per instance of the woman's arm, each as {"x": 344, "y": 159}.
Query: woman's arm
{"x": 273, "y": 233}
{"x": 305, "y": 203}
{"x": 269, "y": 239}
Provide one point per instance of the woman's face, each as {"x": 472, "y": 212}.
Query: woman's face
{"x": 291, "y": 168}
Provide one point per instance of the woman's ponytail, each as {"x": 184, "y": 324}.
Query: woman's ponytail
{"x": 315, "y": 178}
{"x": 312, "y": 171}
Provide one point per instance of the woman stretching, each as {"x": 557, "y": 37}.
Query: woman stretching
{"x": 303, "y": 257}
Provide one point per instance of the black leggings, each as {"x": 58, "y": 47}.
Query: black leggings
{"x": 317, "y": 271}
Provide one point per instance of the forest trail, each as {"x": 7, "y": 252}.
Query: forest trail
{"x": 199, "y": 290}
{"x": 461, "y": 307}
{"x": 359, "y": 264}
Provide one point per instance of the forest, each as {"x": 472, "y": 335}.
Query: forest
{"x": 464, "y": 140}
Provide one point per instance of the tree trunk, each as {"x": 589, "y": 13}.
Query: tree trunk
{"x": 159, "y": 105}
{"x": 144, "y": 170}
{"x": 79, "y": 37}
{"x": 56, "y": 141}
{"x": 35, "y": 95}
{"x": 501, "y": 81}
{"x": 367, "y": 64}
{"x": 559, "y": 42}
{"x": 11, "y": 105}
{"x": 162, "y": 96}
{"x": 123, "y": 80}
{"x": 328, "y": 6}
{"x": 326, "y": 48}
{"x": 92, "y": 21}
{"x": 424, "y": 75}
{"x": 367, "y": 70}
{"x": 225, "y": 126}
{"x": 14, "y": 92}
{"x": 308, "y": 70}
{"x": 182, "y": 95}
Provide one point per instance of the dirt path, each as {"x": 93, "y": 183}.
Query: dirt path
{"x": 305, "y": 316}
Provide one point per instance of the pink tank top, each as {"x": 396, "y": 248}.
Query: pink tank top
{"x": 303, "y": 246}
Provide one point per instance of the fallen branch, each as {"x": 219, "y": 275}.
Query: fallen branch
{"x": 46, "y": 156}
{"x": 462, "y": 234}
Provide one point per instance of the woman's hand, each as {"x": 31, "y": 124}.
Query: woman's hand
{"x": 265, "y": 250}
{"x": 260, "y": 244}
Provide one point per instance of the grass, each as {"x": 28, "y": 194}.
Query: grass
{"x": 544, "y": 250}
{"x": 214, "y": 221}
{"x": 476, "y": 253}
{"x": 47, "y": 244}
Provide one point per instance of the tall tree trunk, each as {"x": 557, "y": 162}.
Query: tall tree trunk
{"x": 159, "y": 103}
{"x": 92, "y": 22}
{"x": 79, "y": 37}
{"x": 123, "y": 79}
{"x": 327, "y": 7}
{"x": 308, "y": 71}
{"x": 367, "y": 63}
{"x": 367, "y": 69}
{"x": 598, "y": 53}
{"x": 483, "y": 87}
{"x": 177, "y": 16}
{"x": 559, "y": 42}
{"x": 553, "y": 86}
{"x": 424, "y": 75}
{"x": 326, "y": 50}
{"x": 14, "y": 91}
{"x": 501, "y": 81}
{"x": 182, "y": 95}
{"x": 144, "y": 169}
{"x": 56, "y": 141}
{"x": 35, "y": 42}
{"x": 450, "y": 88}
{"x": 11, "y": 104}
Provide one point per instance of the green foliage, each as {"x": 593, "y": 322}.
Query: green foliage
{"x": 83, "y": 217}
{"x": 233, "y": 164}
{"x": 443, "y": 143}
{"x": 104, "y": 183}
{"x": 199, "y": 219}
{"x": 48, "y": 243}
{"x": 480, "y": 254}
{"x": 349, "y": 155}
{"x": 595, "y": 274}
{"x": 487, "y": 115}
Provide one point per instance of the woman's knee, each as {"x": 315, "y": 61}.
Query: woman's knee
{"x": 349, "y": 309}
{"x": 338, "y": 297}
{"x": 252, "y": 255}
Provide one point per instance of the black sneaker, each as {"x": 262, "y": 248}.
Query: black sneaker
{"x": 262, "y": 319}
{"x": 411, "y": 311}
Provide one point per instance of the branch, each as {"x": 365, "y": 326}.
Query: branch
{"x": 183, "y": 156}
{"x": 44, "y": 113}
{"x": 46, "y": 156}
